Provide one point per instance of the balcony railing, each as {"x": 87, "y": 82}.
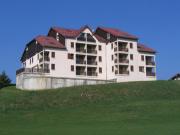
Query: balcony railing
{"x": 82, "y": 50}
{"x": 150, "y": 74}
{"x": 123, "y": 49}
{"x": 79, "y": 72}
{"x": 91, "y": 73}
{"x": 123, "y": 60}
{"x": 152, "y": 63}
{"x": 80, "y": 62}
{"x": 32, "y": 70}
{"x": 92, "y": 51}
{"x": 45, "y": 59}
{"x": 123, "y": 72}
{"x": 91, "y": 62}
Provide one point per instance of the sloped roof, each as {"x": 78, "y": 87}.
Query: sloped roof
{"x": 49, "y": 42}
{"x": 144, "y": 48}
{"x": 100, "y": 39}
{"x": 118, "y": 33}
{"x": 70, "y": 33}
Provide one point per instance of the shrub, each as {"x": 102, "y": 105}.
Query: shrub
{"x": 4, "y": 80}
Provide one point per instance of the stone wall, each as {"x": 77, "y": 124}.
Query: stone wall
{"x": 27, "y": 81}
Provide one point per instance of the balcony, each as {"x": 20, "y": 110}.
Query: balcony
{"x": 46, "y": 59}
{"x": 91, "y": 73}
{"x": 31, "y": 70}
{"x": 151, "y": 63}
{"x": 123, "y": 49}
{"x": 91, "y": 62}
{"x": 123, "y": 60}
{"x": 80, "y": 61}
{"x": 125, "y": 72}
{"x": 93, "y": 51}
{"x": 81, "y": 50}
{"x": 80, "y": 72}
{"x": 150, "y": 74}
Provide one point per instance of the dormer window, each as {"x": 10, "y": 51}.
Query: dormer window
{"x": 57, "y": 36}
{"x": 108, "y": 36}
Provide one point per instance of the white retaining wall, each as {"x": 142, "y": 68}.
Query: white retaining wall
{"x": 27, "y": 81}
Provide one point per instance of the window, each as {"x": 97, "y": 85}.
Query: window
{"x": 53, "y": 66}
{"x": 100, "y": 48}
{"x": 32, "y": 60}
{"x": 100, "y": 70}
{"x": 70, "y": 56}
{"x": 100, "y": 59}
{"x": 131, "y": 45}
{"x": 53, "y": 54}
{"x": 72, "y": 68}
{"x": 142, "y": 57}
{"x": 24, "y": 64}
{"x": 141, "y": 69}
{"x": 57, "y": 36}
{"x": 132, "y": 68}
{"x": 112, "y": 68}
{"x": 72, "y": 44}
{"x": 131, "y": 56}
{"x": 38, "y": 56}
{"x": 112, "y": 57}
{"x": 112, "y": 46}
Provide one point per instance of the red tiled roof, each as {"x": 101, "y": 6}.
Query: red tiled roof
{"x": 118, "y": 33}
{"x": 49, "y": 42}
{"x": 69, "y": 33}
{"x": 144, "y": 48}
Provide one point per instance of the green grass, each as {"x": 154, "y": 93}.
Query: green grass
{"x": 137, "y": 108}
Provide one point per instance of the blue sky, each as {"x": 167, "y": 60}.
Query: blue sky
{"x": 155, "y": 22}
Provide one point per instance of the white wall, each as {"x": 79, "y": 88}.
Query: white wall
{"x": 63, "y": 64}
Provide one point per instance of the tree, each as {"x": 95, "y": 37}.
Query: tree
{"x": 4, "y": 80}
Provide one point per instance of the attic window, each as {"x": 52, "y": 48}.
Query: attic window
{"x": 57, "y": 36}
{"x": 108, "y": 36}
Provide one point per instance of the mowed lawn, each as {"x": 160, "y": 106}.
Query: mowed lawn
{"x": 137, "y": 108}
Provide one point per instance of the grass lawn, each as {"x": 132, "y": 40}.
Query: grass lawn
{"x": 137, "y": 108}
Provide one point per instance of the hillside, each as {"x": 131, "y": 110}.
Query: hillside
{"x": 138, "y": 108}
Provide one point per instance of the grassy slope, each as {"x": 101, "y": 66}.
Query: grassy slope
{"x": 139, "y": 108}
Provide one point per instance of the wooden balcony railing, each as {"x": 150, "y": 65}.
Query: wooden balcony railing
{"x": 123, "y": 60}
{"x": 123, "y": 72}
{"x": 91, "y": 62}
{"x": 123, "y": 49}
{"x": 80, "y": 72}
{"x": 152, "y": 63}
{"x": 82, "y": 50}
{"x": 80, "y": 61}
{"x": 150, "y": 74}
{"x": 45, "y": 59}
{"x": 91, "y": 73}
{"x": 93, "y": 51}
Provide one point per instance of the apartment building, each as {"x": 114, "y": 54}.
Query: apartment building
{"x": 71, "y": 57}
